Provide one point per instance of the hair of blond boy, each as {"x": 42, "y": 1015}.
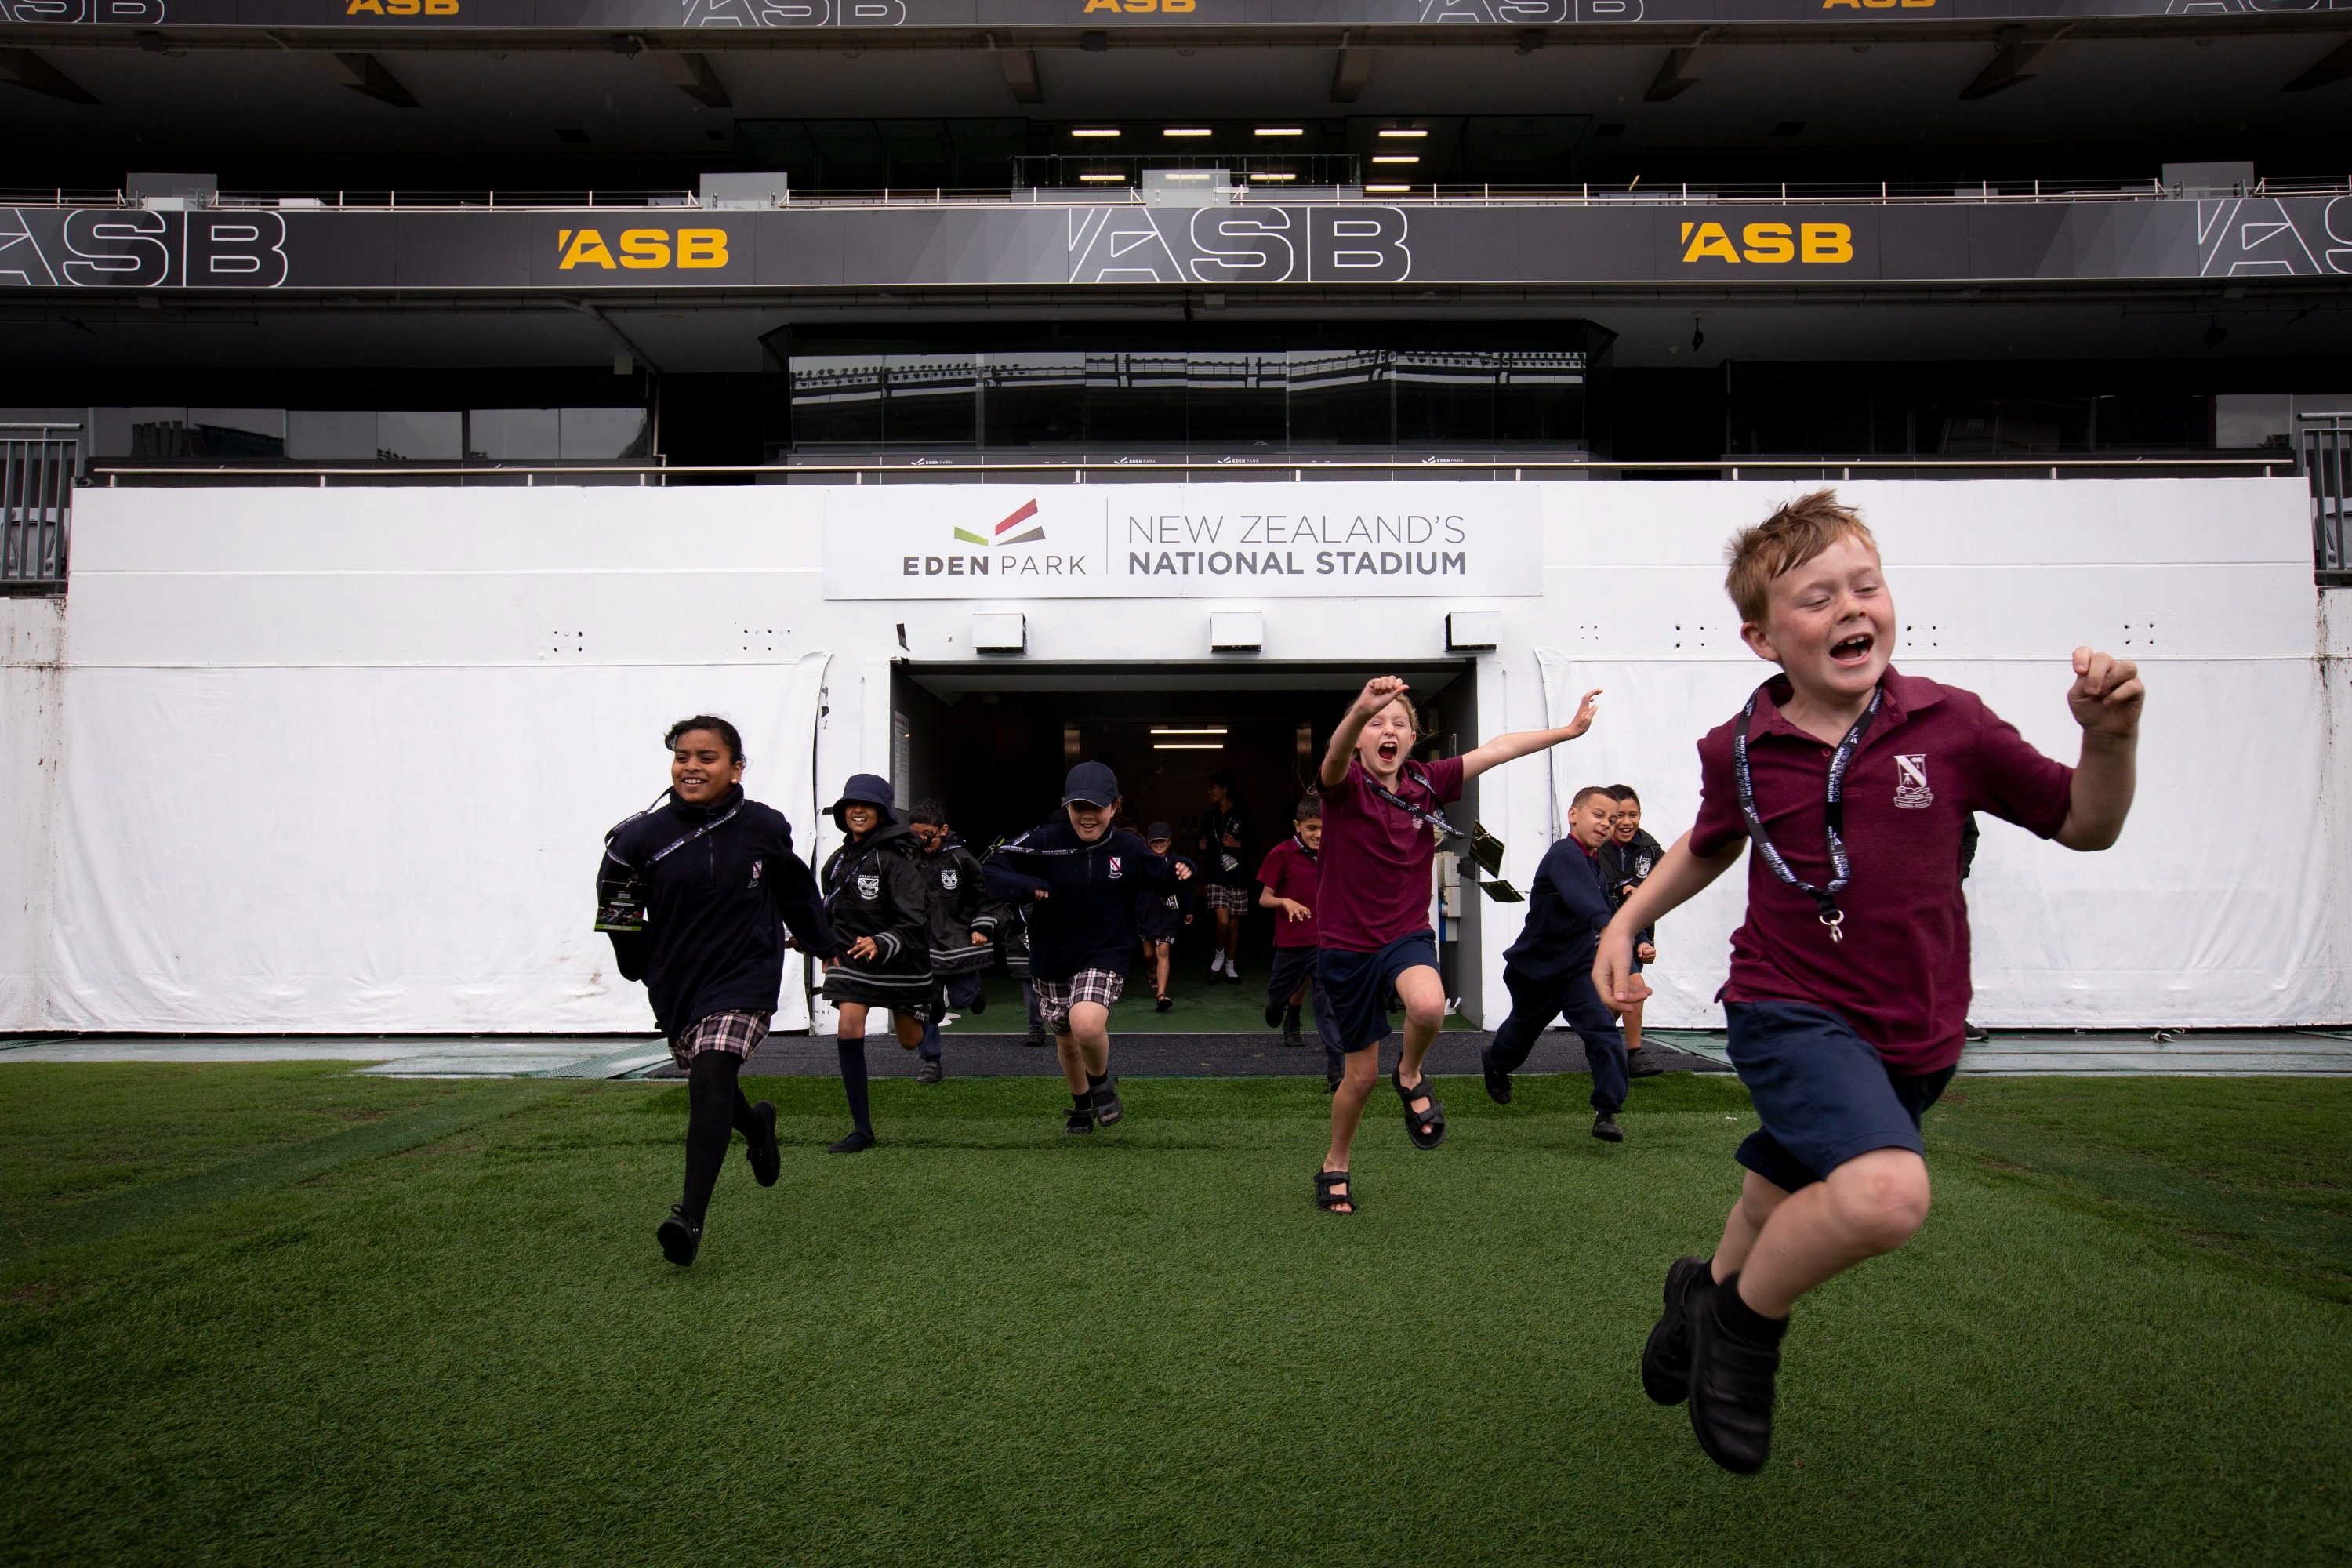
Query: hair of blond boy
{"x": 1586, "y": 792}
{"x": 1784, "y": 542}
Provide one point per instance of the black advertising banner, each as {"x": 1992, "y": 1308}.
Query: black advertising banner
{"x": 606, "y": 250}
{"x": 607, "y": 16}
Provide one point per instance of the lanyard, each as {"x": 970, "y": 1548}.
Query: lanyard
{"x": 658, "y": 855}
{"x": 1833, "y": 812}
{"x": 1426, "y": 819}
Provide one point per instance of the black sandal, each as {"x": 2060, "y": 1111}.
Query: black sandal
{"x": 1427, "y": 1128}
{"x": 1328, "y": 1200}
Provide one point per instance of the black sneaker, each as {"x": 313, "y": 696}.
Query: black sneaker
{"x": 1274, "y": 1014}
{"x": 1036, "y": 1037}
{"x": 1730, "y": 1393}
{"x": 1080, "y": 1120}
{"x": 1163, "y": 1004}
{"x": 1667, "y": 1358}
{"x": 1605, "y": 1128}
{"x": 1499, "y": 1082}
{"x": 679, "y": 1241}
{"x": 931, "y": 1071}
{"x": 1643, "y": 1063}
{"x": 857, "y": 1142}
{"x": 979, "y": 1004}
{"x": 1109, "y": 1111}
{"x": 1973, "y": 1034}
{"x": 767, "y": 1160}
{"x": 1290, "y": 1035}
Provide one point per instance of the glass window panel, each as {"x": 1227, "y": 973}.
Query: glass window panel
{"x": 1237, "y": 399}
{"x": 1445, "y": 398}
{"x": 1339, "y": 397}
{"x": 1540, "y": 397}
{"x": 606, "y": 433}
{"x": 837, "y": 400}
{"x": 331, "y": 435}
{"x": 1135, "y": 399}
{"x": 932, "y": 400}
{"x": 427, "y": 435}
{"x": 237, "y": 432}
{"x": 1036, "y": 399}
{"x": 513, "y": 435}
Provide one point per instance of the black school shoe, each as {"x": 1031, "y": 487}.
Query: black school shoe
{"x": 1643, "y": 1063}
{"x": 979, "y": 1004}
{"x": 680, "y": 1240}
{"x": 857, "y": 1141}
{"x": 1036, "y": 1037}
{"x": 1079, "y": 1121}
{"x": 1667, "y": 1358}
{"x": 1163, "y": 1004}
{"x": 1605, "y": 1128}
{"x": 931, "y": 1071}
{"x": 1109, "y": 1111}
{"x": 1499, "y": 1082}
{"x": 767, "y": 1160}
{"x": 1274, "y": 1014}
{"x": 1730, "y": 1392}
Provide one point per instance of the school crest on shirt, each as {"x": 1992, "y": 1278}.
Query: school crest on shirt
{"x": 1115, "y": 873}
{"x": 949, "y": 879}
{"x": 758, "y": 868}
{"x": 1911, "y": 791}
{"x": 869, "y": 886}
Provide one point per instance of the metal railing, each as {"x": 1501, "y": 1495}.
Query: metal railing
{"x": 36, "y": 484}
{"x": 2328, "y": 460}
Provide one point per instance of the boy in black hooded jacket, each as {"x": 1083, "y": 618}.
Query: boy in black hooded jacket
{"x": 963, "y": 920}
{"x": 874, "y": 897}
{"x": 695, "y": 894}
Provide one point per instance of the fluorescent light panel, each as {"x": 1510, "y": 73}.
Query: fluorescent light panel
{"x": 1386, "y": 190}
{"x": 1158, "y": 729}
{"x": 1097, "y": 131}
{"x": 1263, "y": 176}
{"x": 1187, "y": 131}
{"x": 1187, "y": 746}
{"x": 1396, "y": 157}
{"x": 1104, "y": 179}
{"x": 1400, "y": 133}
{"x": 1281, "y": 130}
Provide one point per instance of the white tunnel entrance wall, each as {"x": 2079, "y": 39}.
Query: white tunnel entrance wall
{"x": 342, "y": 760}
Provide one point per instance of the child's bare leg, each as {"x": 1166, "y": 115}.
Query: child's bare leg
{"x": 1356, "y": 1084}
{"x": 1632, "y": 1020}
{"x": 849, "y": 1022}
{"x": 1090, "y": 1039}
{"x": 1073, "y": 1059}
{"x": 1423, "y": 995}
{"x": 1162, "y": 951}
{"x": 1758, "y": 1199}
{"x": 906, "y": 1028}
{"x": 1871, "y": 1205}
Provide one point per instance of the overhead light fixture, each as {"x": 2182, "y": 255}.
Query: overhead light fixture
{"x": 1281, "y": 130}
{"x": 1396, "y": 157}
{"x": 1388, "y": 190}
{"x": 1187, "y": 131}
{"x": 1185, "y": 174}
{"x": 1260, "y": 175}
{"x": 1401, "y": 134}
{"x": 1187, "y": 746}
{"x": 1104, "y": 179}
{"x": 1157, "y": 730}
{"x": 1096, "y": 130}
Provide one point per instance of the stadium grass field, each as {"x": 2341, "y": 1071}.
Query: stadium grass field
{"x": 285, "y": 1314}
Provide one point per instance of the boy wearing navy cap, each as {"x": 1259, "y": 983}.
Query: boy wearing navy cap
{"x": 1548, "y": 969}
{"x": 1849, "y": 982}
{"x": 1079, "y": 879}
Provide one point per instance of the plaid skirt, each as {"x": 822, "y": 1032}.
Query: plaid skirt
{"x": 1056, "y": 998}
{"x": 737, "y": 1034}
{"x": 1231, "y": 901}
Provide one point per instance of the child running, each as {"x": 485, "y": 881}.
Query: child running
{"x": 702, "y": 930}
{"x": 1625, "y": 862}
{"x": 1549, "y": 968}
{"x": 1380, "y": 826}
{"x": 1079, "y": 879}
{"x": 1849, "y": 980}
{"x": 963, "y": 920}
{"x": 1287, "y": 885}
{"x": 1228, "y": 842}
{"x": 875, "y": 895}
{"x": 1160, "y": 914}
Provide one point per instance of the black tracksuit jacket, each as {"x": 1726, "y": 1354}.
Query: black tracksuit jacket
{"x": 874, "y": 887}
{"x": 716, "y": 907}
{"x": 1087, "y": 919}
{"x": 1159, "y": 911}
{"x": 961, "y": 905}
{"x": 1622, "y": 863}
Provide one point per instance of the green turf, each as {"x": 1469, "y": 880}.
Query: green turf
{"x": 1200, "y": 1007}
{"x": 985, "y": 1342}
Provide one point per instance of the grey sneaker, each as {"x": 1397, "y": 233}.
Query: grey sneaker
{"x": 931, "y": 1071}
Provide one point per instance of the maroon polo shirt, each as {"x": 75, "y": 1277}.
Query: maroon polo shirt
{"x": 1290, "y": 872}
{"x": 1375, "y": 883}
{"x": 1934, "y": 754}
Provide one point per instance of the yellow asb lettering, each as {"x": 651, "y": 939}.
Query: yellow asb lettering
{"x": 356, "y": 7}
{"x": 1768, "y": 242}
{"x": 585, "y": 248}
{"x": 701, "y": 247}
{"x": 1095, "y": 6}
{"x": 1707, "y": 239}
{"x": 401, "y": 7}
{"x": 644, "y": 247}
{"x": 1877, "y": 5}
{"x": 1828, "y": 242}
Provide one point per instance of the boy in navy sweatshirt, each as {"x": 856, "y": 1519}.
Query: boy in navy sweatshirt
{"x": 1549, "y": 968}
{"x": 1079, "y": 878}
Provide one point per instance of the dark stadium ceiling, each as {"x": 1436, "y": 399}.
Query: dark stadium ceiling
{"x": 249, "y": 104}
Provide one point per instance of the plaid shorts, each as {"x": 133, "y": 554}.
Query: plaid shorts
{"x": 1056, "y": 998}
{"x": 737, "y": 1034}
{"x": 1232, "y": 900}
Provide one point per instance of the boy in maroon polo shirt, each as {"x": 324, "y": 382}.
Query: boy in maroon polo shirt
{"x": 1380, "y": 826}
{"x": 1850, "y": 977}
{"x": 1287, "y": 885}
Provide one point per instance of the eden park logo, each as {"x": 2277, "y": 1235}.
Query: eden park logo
{"x": 869, "y": 885}
{"x": 1911, "y": 791}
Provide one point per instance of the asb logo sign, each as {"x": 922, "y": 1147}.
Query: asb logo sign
{"x": 1770, "y": 244}
{"x": 641, "y": 250}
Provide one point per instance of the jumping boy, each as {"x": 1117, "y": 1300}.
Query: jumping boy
{"x": 702, "y": 930}
{"x": 1625, "y": 862}
{"x": 1380, "y": 828}
{"x": 1850, "y": 977}
{"x": 1548, "y": 969}
{"x": 1079, "y": 879}
{"x": 1287, "y": 885}
{"x": 963, "y": 920}
{"x": 1160, "y": 914}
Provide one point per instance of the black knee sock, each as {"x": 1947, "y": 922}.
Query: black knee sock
{"x": 852, "y": 1083}
{"x": 1741, "y": 1321}
{"x": 745, "y": 1123}
{"x": 1290, "y": 1016}
{"x": 1082, "y": 1099}
{"x": 1096, "y": 1079}
{"x": 710, "y": 1096}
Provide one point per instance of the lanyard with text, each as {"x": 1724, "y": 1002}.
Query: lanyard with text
{"x": 1841, "y": 868}
{"x": 1429, "y": 819}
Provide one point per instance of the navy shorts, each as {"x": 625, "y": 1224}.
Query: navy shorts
{"x": 1822, "y": 1090}
{"x": 1357, "y": 984}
